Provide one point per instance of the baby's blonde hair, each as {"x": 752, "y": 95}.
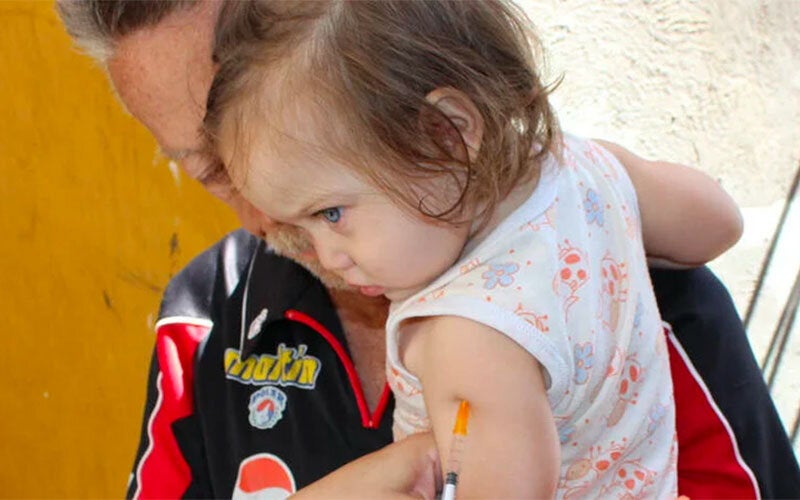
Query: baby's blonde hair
{"x": 373, "y": 63}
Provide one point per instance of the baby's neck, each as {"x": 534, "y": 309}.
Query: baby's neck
{"x": 482, "y": 227}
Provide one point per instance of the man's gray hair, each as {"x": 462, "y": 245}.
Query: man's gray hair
{"x": 95, "y": 25}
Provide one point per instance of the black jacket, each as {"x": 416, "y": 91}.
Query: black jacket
{"x": 252, "y": 389}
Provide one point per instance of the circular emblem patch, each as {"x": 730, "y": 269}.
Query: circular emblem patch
{"x": 266, "y": 407}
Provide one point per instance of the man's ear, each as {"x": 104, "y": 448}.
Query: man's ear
{"x": 462, "y": 112}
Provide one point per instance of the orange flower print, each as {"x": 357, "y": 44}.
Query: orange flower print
{"x": 539, "y": 321}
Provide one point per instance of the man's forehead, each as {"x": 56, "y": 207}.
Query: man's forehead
{"x": 163, "y": 73}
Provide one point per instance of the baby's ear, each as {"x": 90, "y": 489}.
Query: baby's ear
{"x": 465, "y": 122}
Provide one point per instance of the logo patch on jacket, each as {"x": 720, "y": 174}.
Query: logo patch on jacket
{"x": 266, "y": 407}
{"x": 287, "y": 367}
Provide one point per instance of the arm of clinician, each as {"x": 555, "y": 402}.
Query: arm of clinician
{"x": 512, "y": 448}
{"x": 406, "y": 469}
{"x": 687, "y": 218}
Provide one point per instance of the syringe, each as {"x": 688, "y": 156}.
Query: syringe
{"x": 454, "y": 460}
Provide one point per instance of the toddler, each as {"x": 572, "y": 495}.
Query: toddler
{"x": 413, "y": 142}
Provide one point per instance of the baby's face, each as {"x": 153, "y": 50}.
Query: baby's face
{"x": 358, "y": 233}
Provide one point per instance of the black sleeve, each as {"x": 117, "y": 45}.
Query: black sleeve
{"x": 171, "y": 460}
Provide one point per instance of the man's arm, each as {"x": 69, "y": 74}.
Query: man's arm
{"x": 169, "y": 461}
{"x": 735, "y": 406}
{"x": 687, "y": 218}
{"x": 406, "y": 469}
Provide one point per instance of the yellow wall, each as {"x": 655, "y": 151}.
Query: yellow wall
{"x": 88, "y": 218}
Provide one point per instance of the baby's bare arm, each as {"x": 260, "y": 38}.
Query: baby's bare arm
{"x": 511, "y": 449}
{"x": 687, "y": 218}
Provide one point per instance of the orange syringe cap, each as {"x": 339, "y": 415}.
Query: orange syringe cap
{"x": 461, "y": 419}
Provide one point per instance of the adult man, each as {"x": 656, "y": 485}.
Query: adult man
{"x": 263, "y": 380}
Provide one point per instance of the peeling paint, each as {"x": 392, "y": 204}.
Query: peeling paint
{"x": 174, "y": 245}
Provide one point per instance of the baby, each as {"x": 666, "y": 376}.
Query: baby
{"x": 414, "y": 144}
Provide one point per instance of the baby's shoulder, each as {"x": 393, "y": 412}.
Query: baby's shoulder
{"x": 582, "y": 154}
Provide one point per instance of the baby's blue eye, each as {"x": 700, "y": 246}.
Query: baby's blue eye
{"x": 332, "y": 214}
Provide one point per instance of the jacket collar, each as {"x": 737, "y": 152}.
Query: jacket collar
{"x": 274, "y": 285}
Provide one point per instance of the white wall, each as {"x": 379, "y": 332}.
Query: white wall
{"x": 711, "y": 83}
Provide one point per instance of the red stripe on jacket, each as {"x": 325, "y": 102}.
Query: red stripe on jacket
{"x": 709, "y": 463}
{"x": 162, "y": 471}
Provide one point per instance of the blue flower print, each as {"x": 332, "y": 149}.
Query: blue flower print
{"x": 565, "y": 433}
{"x": 593, "y": 206}
{"x": 584, "y": 354}
{"x": 499, "y": 274}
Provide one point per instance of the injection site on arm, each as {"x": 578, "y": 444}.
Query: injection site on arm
{"x": 513, "y": 449}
